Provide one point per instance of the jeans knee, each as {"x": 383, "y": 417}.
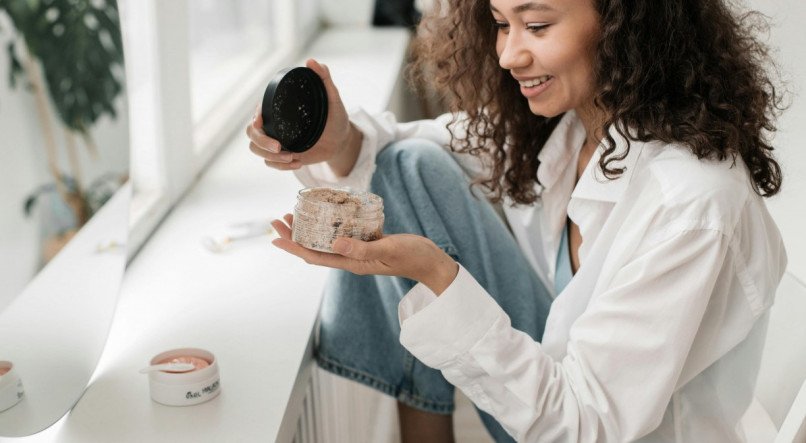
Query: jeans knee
{"x": 415, "y": 154}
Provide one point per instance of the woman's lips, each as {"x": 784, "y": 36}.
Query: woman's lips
{"x": 534, "y": 91}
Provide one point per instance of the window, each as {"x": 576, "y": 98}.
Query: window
{"x": 196, "y": 69}
{"x": 228, "y": 39}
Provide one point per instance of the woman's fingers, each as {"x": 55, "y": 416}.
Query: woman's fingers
{"x": 314, "y": 257}
{"x": 282, "y": 229}
{"x": 294, "y": 165}
{"x": 350, "y": 254}
{"x": 256, "y": 135}
{"x": 350, "y": 263}
{"x": 269, "y": 149}
{"x": 336, "y": 132}
{"x": 403, "y": 255}
{"x": 257, "y": 118}
{"x": 361, "y": 250}
{"x": 282, "y": 157}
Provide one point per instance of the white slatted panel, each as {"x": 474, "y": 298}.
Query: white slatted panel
{"x": 337, "y": 410}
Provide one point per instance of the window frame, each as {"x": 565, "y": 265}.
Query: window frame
{"x": 161, "y": 118}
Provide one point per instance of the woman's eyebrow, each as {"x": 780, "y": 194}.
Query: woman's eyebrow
{"x": 528, "y": 6}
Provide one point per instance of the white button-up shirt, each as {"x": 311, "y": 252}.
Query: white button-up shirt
{"x": 657, "y": 337}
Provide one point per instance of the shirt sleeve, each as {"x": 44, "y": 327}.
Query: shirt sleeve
{"x": 380, "y": 130}
{"x": 623, "y": 360}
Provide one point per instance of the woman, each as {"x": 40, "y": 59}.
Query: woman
{"x": 629, "y": 143}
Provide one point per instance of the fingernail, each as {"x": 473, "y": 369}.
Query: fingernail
{"x": 275, "y": 148}
{"x": 342, "y": 246}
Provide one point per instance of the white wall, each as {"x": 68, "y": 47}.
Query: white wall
{"x": 789, "y": 208}
{"x": 782, "y": 370}
{"x": 23, "y": 168}
{"x": 18, "y": 175}
{"x": 347, "y": 12}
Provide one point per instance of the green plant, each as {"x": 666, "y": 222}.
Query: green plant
{"x": 77, "y": 45}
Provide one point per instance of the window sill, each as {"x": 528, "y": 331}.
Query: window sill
{"x": 253, "y": 306}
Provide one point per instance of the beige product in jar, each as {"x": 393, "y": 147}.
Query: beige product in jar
{"x": 197, "y": 362}
{"x": 324, "y": 214}
{"x": 198, "y": 380}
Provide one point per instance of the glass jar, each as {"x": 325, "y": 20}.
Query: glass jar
{"x": 324, "y": 214}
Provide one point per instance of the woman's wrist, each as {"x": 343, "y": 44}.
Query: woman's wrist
{"x": 346, "y": 155}
{"x": 441, "y": 275}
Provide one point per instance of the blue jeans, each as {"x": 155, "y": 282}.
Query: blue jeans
{"x": 425, "y": 193}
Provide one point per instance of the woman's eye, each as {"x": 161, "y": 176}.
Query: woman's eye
{"x": 535, "y": 27}
{"x": 501, "y": 26}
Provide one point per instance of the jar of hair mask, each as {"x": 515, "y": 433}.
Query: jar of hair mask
{"x": 11, "y": 390}
{"x": 324, "y": 214}
{"x": 198, "y": 385}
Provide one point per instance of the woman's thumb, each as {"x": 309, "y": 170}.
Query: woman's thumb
{"x": 343, "y": 246}
{"x": 361, "y": 250}
{"x": 324, "y": 73}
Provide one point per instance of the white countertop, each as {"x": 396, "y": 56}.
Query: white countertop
{"x": 253, "y": 306}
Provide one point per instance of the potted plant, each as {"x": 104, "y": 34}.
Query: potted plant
{"x": 70, "y": 52}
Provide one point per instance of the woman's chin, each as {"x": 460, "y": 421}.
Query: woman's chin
{"x": 542, "y": 110}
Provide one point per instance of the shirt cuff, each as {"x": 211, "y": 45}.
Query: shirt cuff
{"x": 320, "y": 174}
{"x": 437, "y": 330}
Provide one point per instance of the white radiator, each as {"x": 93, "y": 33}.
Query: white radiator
{"x": 336, "y": 410}
{"x": 308, "y": 424}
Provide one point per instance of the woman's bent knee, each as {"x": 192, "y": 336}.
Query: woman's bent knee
{"x": 413, "y": 151}
{"x": 427, "y": 159}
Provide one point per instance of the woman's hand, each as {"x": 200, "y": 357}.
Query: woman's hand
{"x": 402, "y": 255}
{"x": 338, "y": 144}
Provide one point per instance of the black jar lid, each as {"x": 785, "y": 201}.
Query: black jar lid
{"x": 295, "y": 108}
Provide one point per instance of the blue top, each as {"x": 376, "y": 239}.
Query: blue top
{"x": 563, "y": 272}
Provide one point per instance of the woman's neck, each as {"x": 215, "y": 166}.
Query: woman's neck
{"x": 593, "y": 120}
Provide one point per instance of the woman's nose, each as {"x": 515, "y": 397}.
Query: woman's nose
{"x": 514, "y": 54}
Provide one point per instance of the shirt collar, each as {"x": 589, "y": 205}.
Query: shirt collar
{"x": 560, "y": 148}
{"x": 593, "y": 185}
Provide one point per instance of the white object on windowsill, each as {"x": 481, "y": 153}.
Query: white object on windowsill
{"x": 223, "y": 241}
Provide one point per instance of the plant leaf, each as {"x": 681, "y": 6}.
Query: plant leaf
{"x": 15, "y": 70}
{"x": 80, "y": 48}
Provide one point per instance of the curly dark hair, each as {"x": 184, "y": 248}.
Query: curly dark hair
{"x": 687, "y": 71}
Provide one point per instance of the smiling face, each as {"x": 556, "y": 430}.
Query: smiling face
{"x": 548, "y": 47}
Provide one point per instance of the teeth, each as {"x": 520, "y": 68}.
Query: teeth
{"x": 535, "y": 81}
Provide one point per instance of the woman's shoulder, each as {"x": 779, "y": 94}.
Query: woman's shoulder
{"x": 705, "y": 186}
{"x": 680, "y": 172}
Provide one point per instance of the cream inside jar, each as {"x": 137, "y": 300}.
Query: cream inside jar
{"x": 324, "y": 214}
{"x": 197, "y": 362}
